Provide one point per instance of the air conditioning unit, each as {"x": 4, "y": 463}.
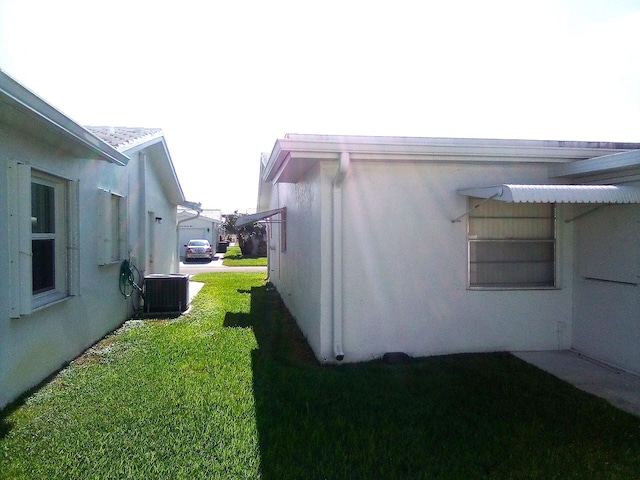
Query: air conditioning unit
{"x": 166, "y": 293}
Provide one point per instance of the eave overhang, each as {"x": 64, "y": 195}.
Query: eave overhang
{"x": 23, "y": 110}
{"x": 599, "y": 165}
{"x": 293, "y": 156}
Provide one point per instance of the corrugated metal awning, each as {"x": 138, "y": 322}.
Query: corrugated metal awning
{"x": 557, "y": 193}
{"x": 256, "y": 217}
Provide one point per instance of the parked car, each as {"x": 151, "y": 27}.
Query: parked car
{"x": 198, "y": 249}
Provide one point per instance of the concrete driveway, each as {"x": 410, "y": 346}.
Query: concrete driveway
{"x": 621, "y": 389}
{"x": 194, "y": 267}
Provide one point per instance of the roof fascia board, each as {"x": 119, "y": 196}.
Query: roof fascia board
{"x": 32, "y": 105}
{"x": 297, "y": 147}
{"x": 467, "y": 146}
{"x": 601, "y": 164}
{"x": 507, "y": 152}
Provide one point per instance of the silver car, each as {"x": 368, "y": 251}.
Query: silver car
{"x": 198, "y": 249}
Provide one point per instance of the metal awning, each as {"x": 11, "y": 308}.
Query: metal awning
{"x": 256, "y": 217}
{"x": 557, "y": 193}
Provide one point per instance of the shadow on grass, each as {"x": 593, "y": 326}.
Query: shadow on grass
{"x": 5, "y": 424}
{"x": 460, "y": 416}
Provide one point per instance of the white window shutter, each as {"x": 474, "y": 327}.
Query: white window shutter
{"x": 123, "y": 238}
{"x": 23, "y": 230}
{"x": 73, "y": 236}
{"x": 12, "y": 200}
{"x": 104, "y": 227}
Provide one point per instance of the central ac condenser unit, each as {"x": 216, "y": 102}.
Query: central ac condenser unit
{"x": 166, "y": 293}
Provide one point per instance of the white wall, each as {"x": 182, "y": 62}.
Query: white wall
{"x": 405, "y": 267}
{"x": 161, "y": 238}
{"x": 607, "y": 323}
{"x": 405, "y": 264}
{"x": 298, "y": 272}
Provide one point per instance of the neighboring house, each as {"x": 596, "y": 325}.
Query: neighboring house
{"x": 389, "y": 244}
{"x": 75, "y": 203}
{"x": 205, "y": 225}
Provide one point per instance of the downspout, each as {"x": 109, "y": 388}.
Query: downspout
{"x": 337, "y": 255}
{"x": 142, "y": 233}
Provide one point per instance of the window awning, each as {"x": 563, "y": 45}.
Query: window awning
{"x": 557, "y": 193}
{"x": 245, "y": 220}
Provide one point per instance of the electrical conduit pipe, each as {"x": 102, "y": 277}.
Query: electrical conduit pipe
{"x": 337, "y": 255}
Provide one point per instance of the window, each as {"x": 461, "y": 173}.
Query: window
{"x": 511, "y": 245}
{"x": 49, "y": 231}
{"x": 112, "y": 217}
{"x": 43, "y": 238}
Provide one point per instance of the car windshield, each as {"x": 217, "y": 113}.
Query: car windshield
{"x": 199, "y": 243}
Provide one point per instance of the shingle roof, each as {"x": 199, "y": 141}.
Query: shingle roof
{"x": 123, "y": 138}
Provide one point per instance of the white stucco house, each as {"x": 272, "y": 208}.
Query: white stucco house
{"x": 75, "y": 202}
{"x": 433, "y": 246}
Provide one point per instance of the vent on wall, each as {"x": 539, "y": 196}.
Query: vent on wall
{"x": 166, "y": 293}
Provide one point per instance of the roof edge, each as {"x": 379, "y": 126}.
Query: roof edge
{"x": 35, "y": 107}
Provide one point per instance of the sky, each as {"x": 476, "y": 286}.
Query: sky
{"x": 225, "y": 80}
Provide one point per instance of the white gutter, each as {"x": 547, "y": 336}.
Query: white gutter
{"x": 190, "y": 206}
{"x": 337, "y": 255}
{"x": 25, "y": 101}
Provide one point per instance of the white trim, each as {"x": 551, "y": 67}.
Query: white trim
{"x": 602, "y": 164}
{"x": 25, "y": 101}
{"x": 23, "y": 224}
{"x": 73, "y": 236}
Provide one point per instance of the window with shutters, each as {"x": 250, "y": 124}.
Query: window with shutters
{"x": 511, "y": 245}
{"x": 43, "y": 234}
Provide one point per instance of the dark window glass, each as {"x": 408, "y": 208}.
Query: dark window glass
{"x": 43, "y": 230}
{"x": 42, "y": 209}
{"x": 43, "y": 265}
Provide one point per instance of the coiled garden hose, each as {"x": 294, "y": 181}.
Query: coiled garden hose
{"x": 129, "y": 279}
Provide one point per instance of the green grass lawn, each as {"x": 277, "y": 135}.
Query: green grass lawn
{"x": 234, "y": 258}
{"x": 231, "y": 391}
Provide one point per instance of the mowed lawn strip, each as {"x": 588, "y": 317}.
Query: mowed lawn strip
{"x": 162, "y": 399}
{"x": 234, "y": 258}
{"x": 231, "y": 390}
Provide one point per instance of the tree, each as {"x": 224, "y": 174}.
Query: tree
{"x": 251, "y": 238}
